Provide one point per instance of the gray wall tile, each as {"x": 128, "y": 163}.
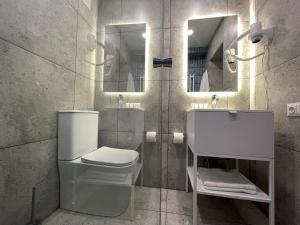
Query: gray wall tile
{"x": 24, "y": 167}
{"x": 284, "y": 17}
{"x": 108, "y": 138}
{"x": 108, "y": 120}
{"x": 165, "y": 107}
{"x": 130, "y": 120}
{"x": 123, "y": 128}
{"x": 277, "y": 83}
{"x": 129, "y": 140}
{"x": 41, "y": 27}
{"x": 109, "y": 12}
{"x": 164, "y": 161}
{"x": 86, "y": 50}
{"x": 176, "y": 165}
{"x": 286, "y": 189}
{"x": 84, "y": 93}
{"x": 88, "y": 9}
{"x": 73, "y": 3}
{"x": 240, "y": 8}
{"x": 35, "y": 90}
{"x": 37, "y": 78}
{"x": 183, "y": 10}
{"x": 152, "y": 164}
{"x": 150, "y": 11}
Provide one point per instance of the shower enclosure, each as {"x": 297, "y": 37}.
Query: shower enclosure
{"x": 130, "y": 35}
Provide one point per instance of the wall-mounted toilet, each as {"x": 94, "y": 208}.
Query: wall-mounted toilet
{"x": 93, "y": 181}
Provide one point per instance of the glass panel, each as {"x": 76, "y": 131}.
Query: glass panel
{"x": 180, "y": 101}
{"x": 129, "y": 36}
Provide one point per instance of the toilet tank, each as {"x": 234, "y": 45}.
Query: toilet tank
{"x": 77, "y": 133}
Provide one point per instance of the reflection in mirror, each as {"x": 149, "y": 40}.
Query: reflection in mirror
{"x": 124, "y": 58}
{"x": 207, "y": 40}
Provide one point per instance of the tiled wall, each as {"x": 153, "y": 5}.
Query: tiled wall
{"x": 44, "y": 58}
{"x": 121, "y": 128}
{"x": 43, "y": 69}
{"x": 165, "y": 100}
{"x": 275, "y": 87}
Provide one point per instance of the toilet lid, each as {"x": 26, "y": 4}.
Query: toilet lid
{"x": 111, "y": 157}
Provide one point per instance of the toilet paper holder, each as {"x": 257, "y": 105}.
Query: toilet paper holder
{"x": 151, "y": 136}
{"x": 178, "y": 138}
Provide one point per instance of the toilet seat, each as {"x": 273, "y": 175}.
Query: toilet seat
{"x": 111, "y": 157}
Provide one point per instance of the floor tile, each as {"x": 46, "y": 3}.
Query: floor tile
{"x": 211, "y": 210}
{"x": 176, "y": 209}
{"x": 143, "y": 217}
{"x": 146, "y": 217}
{"x": 64, "y": 217}
{"x": 179, "y": 202}
{"x": 94, "y": 220}
{"x": 175, "y": 219}
{"x": 147, "y": 198}
{"x": 215, "y": 210}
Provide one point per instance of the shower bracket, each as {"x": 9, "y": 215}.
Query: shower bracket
{"x": 166, "y": 62}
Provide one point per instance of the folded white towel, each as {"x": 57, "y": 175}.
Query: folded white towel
{"x": 237, "y": 190}
{"x": 231, "y": 180}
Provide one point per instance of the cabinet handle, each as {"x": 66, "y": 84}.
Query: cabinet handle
{"x": 232, "y": 112}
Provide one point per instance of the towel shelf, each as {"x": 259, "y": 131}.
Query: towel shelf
{"x": 198, "y": 187}
{"x": 260, "y": 196}
{"x": 234, "y": 134}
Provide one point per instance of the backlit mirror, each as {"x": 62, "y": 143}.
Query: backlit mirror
{"x": 207, "y": 40}
{"x": 124, "y": 58}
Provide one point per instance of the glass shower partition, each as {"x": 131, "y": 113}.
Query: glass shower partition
{"x": 126, "y": 79}
{"x": 131, "y": 97}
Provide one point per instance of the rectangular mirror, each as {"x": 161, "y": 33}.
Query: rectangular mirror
{"x": 124, "y": 58}
{"x": 207, "y": 40}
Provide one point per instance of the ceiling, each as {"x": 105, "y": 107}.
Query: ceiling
{"x": 131, "y": 35}
{"x": 204, "y": 30}
{"x": 134, "y": 40}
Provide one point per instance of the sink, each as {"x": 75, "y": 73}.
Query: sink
{"x": 232, "y": 133}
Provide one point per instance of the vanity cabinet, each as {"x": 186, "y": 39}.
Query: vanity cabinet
{"x": 236, "y": 134}
{"x": 245, "y": 134}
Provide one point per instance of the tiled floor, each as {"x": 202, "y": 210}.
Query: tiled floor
{"x": 153, "y": 206}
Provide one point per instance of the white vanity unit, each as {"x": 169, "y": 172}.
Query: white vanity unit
{"x": 230, "y": 134}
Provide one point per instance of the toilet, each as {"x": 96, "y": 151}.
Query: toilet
{"x": 96, "y": 181}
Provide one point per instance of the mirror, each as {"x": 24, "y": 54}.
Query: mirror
{"x": 207, "y": 40}
{"x": 124, "y": 58}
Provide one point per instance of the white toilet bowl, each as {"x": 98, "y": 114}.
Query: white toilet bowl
{"x": 93, "y": 181}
